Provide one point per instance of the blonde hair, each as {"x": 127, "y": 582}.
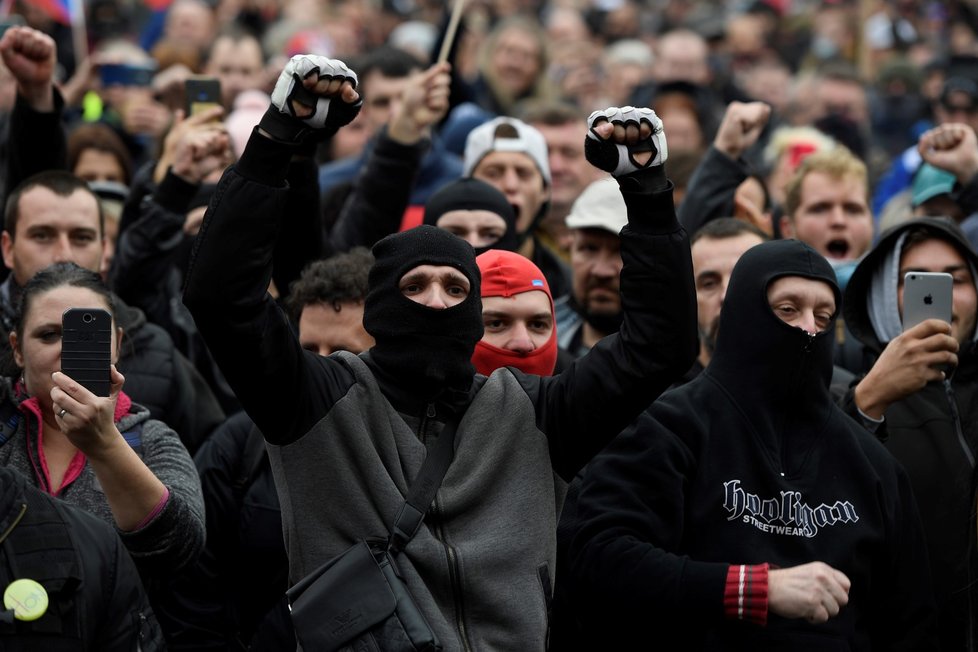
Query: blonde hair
{"x": 837, "y": 163}
{"x": 785, "y": 138}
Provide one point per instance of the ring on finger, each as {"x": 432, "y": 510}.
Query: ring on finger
{"x": 62, "y": 413}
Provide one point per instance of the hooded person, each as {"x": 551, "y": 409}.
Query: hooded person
{"x": 740, "y": 509}
{"x": 430, "y": 348}
{"x": 519, "y": 324}
{"x": 354, "y": 436}
{"x": 923, "y": 385}
{"x": 476, "y": 212}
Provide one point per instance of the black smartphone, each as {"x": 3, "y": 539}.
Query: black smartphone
{"x": 125, "y": 74}
{"x": 86, "y": 348}
{"x": 202, "y": 93}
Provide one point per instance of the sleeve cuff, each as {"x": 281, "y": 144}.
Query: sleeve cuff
{"x": 745, "y": 593}
{"x": 265, "y": 160}
{"x": 175, "y": 193}
{"x": 871, "y": 424}
{"x": 155, "y": 511}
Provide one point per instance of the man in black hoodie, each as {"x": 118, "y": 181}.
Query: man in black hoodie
{"x": 924, "y": 387}
{"x": 744, "y": 510}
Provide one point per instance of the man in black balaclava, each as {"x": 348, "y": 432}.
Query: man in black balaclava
{"x": 347, "y": 434}
{"x": 424, "y": 311}
{"x": 744, "y": 510}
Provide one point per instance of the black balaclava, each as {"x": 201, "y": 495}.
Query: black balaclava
{"x": 474, "y": 195}
{"x": 776, "y": 373}
{"x": 427, "y": 349}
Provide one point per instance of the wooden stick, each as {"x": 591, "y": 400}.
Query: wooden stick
{"x": 446, "y": 45}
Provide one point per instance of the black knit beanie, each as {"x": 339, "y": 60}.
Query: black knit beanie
{"x": 474, "y": 195}
{"x": 429, "y": 349}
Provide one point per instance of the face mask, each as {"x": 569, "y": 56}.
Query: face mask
{"x": 539, "y": 362}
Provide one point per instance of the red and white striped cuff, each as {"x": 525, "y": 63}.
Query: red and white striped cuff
{"x": 745, "y": 593}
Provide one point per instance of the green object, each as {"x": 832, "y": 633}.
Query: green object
{"x": 930, "y": 182}
{"x": 27, "y": 598}
{"x": 92, "y": 107}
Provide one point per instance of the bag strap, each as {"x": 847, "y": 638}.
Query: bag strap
{"x": 423, "y": 489}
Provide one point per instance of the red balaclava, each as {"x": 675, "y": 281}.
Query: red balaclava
{"x": 505, "y": 273}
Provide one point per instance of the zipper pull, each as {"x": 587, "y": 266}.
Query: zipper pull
{"x": 811, "y": 340}
{"x": 431, "y": 411}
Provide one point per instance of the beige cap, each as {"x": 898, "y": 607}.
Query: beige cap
{"x": 600, "y": 206}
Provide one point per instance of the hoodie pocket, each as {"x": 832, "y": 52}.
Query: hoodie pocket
{"x": 543, "y": 573}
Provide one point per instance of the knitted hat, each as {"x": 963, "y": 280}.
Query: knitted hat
{"x": 473, "y": 195}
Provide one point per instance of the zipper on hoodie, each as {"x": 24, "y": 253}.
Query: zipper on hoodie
{"x": 454, "y": 572}
{"x": 953, "y": 405}
{"x": 806, "y": 350}
{"x": 454, "y": 576}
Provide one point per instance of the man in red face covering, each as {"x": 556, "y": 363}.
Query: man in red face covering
{"x": 518, "y": 316}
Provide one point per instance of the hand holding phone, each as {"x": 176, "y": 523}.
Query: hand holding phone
{"x": 86, "y": 348}
{"x": 926, "y": 295}
{"x": 202, "y": 93}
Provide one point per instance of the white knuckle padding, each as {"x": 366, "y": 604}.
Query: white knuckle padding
{"x": 626, "y": 115}
{"x": 300, "y": 67}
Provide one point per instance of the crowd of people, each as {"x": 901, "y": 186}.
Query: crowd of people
{"x": 640, "y": 265}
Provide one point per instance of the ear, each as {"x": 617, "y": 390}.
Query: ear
{"x": 7, "y": 245}
{"x": 14, "y": 346}
{"x": 787, "y": 227}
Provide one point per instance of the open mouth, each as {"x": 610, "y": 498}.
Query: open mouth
{"x": 837, "y": 249}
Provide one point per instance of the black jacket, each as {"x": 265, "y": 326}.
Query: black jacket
{"x": 710, "y": 192}
{"x": 749, "y": 463}
{"x": 934, "y": 434}
{"x": 219, "y": 607}
{"x": 96, "y": 600}
{"x": 152, "y": 254}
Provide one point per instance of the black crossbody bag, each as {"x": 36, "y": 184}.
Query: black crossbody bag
{"x": 358, "y": 599}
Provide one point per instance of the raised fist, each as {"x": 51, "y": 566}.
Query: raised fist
{"x": 31, "y": 57}
{"x": 313, "y": 97}
{"x": 952, "y": 147}
{"x": 623, "y": 140}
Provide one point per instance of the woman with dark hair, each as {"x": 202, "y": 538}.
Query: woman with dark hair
{"x": 102, "y": 454}
{"x": 97, "y": 153}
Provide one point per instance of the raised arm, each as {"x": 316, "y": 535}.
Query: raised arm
{"x": 148, "y": 249}
{"x": 247, "y": 333}
{"x": 953, "y": 148}
{"x": 155, "y": 499}
{"x": 710, "y": 193}
{"x": 589, "y": 403}
{"x": 37, "y": 138}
